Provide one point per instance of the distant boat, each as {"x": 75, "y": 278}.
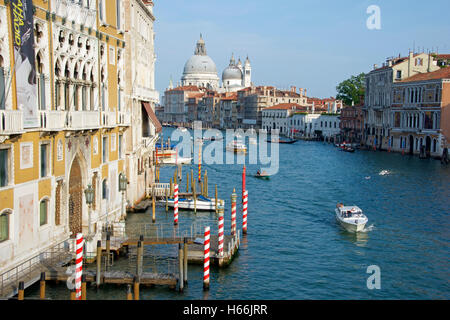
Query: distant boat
{"x": 282, "y": 141}
{"x": 262, "y": 175}
{"x": 237, "y": 147}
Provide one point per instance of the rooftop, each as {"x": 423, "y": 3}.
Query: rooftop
{"x": 443, "y": 73}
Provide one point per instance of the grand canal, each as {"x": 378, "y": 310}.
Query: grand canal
{"x": 296, "y": 250}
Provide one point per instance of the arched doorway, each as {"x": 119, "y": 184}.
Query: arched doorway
{"x": 428, "y": 147}
{"x": 411, "y": 145}
{"x": 75, "y": 198}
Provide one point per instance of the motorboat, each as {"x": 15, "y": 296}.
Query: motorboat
{"x": 282, "y": 141}
{"x": 262, "y": 175}
{"x": 175, "y": 160}
{"x": 236, "y": 146}
{"x": 182, "y": 129}
{"x": 351, "y": 217}
{"x": 202, "y": 203}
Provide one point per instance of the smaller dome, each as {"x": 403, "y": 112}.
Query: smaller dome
{"x": 231, "y": 73}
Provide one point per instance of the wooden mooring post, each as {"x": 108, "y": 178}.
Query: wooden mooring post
{"x": 129, "y": 293}
{"x": 136, "y": 287}
{"x": 216, "y": 199}
{"x": 21, "y": 292}
{"x": 195, "y": 198}
{"x": 185, "y": 261}
{"x": 153, "y": 206}
{"x": 166, "y": 192}
{"x": 83, "y": 287}
{"x": 181, "y": 265}
{"x": 99, "y": 262}
{"x": 139, "y": 253}
{"x": 42, "y": 287}
{"x": 187, "y": 182}
{"x": 73, "y": 294}
{"x": 108, "y": 248}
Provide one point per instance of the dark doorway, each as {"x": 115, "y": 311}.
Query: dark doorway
{"x": 411, "y": 145}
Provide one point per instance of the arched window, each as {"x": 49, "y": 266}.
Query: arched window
{"x": 4, "y": 226}
{"x": 43, "y": 212}
{"x": 434, "y": 145}
{"x": 105, "y": 189}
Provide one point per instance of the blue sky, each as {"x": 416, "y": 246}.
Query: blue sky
{"x": 310, "y": 44}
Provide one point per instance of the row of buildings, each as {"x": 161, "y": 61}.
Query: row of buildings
{"x": 407, "y": 105}
{"x": 77, "y": 99}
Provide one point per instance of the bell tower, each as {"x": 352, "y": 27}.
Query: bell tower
{"x": 247, "y": 73}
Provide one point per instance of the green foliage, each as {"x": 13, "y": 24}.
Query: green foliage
{"x": 352, "y": 90}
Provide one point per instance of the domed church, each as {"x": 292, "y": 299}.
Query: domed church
{"x": 200, "y": 70}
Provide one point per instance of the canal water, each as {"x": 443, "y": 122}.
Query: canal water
{"x": 295, "y": 249}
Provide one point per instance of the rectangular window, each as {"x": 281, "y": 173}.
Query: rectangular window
{"x": 44, "y": 160}
{"x": 118, "y": 13}
{"x": 41, "y": 85}
{"x": 105, "y": 149}
{"x": 4, "y": 167}
{"x": 43, "y": 212}
{"x": 2, "y": 89}
{"x": 4, "y": 227}
{"x": 120, "y": 146}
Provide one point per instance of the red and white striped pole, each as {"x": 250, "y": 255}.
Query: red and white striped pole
{"x": 206, "y": 260}
{"x": 243, "y": 182}
{"x": 78, "y": 264}
{"x": 221, "y": 229}
{"x": 244, "y": 212}
{"x": 175, "y": 204}
{"x": 233, "y": 212}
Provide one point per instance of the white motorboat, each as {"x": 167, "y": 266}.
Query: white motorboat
{"x": 351, "y": 217}
{"x": 236, "y": 146}
{"x": 202, "y": 203}
{"x": 175, "y": 160}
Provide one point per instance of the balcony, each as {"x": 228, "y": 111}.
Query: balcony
{"x": 146, "y": 94}
{"x": 51, "y": 120}
{"x": 11, "y": 122}
{"x": 109, "y": 119}
{"x": 124, "y": 119}
{"x": 83, "y": 120}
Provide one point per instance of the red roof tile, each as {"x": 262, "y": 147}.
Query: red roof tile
{"x": 443, "y": 73}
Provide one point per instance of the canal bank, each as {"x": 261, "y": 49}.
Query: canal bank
{"x": 295, "y": 249}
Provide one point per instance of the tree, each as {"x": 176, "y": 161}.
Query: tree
{"x": 352, "y": 90}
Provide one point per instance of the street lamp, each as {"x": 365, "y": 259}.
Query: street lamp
{"x": 122, "y": 188}
{"x": 89, "y": 194}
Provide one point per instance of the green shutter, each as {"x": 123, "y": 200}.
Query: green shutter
{"x": 3, "y": 168}
{"x": 4, "y": 227}
{"x": 43, "y": 213}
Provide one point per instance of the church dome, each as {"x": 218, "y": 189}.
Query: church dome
{"x": 200, "y": 64}
{"x": 232, "y": 73}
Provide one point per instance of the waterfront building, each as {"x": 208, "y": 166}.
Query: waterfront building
{"x": 63, "y": 131}
{"x": 252, "y": 100}
{"x": 228, "y": 112}
{"x": 352, "y": 123}
{"x": 140, "y": 98}
{"x": 175, "y": 103}
{"x": 278, "y": 117}
{"x": 378, "y": 95}
{"x": 420, "y": 115}
{"x": 236, "y": 76}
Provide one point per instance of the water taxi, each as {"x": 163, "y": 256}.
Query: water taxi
{"x": 351, "y": 217}
{"x": 237, "y": 147}
{"x": 202, "y": 203}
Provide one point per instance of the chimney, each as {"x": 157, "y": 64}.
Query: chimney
{"x": 410, "y": 63}
{"x": 301, "y": 92}
{"x": 375, "y": 66}
{"x": 313, "y": 108}
{"x": 293, "y": 89}
{"x": 305, "y": 93}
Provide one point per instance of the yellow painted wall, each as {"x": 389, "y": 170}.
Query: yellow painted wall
{"x": 25, "y": 175}
{"x": 7, "y": 199}
{"x": 45, "y": 188}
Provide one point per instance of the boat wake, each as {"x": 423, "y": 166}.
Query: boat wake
{"x": 368, "y": 228}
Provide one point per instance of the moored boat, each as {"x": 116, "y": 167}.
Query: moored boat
{"x": 351, "y": 217}
{"x": 202, "y": 203}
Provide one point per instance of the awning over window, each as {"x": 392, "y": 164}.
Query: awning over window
{"x": 151, "y": 114}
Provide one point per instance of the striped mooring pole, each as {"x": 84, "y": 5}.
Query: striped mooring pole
{"x": 79, "y": 265}
{"x": 175, "y": 205}
{"x": 233, "y": 212}
{"x": 206, "y": 260}
{"x": 243, "y": 182}
{"x": 244, "y": 212}
{"x": 221, "y": 229}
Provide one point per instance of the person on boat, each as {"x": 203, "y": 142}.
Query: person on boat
{"x": 258, "y": 173}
